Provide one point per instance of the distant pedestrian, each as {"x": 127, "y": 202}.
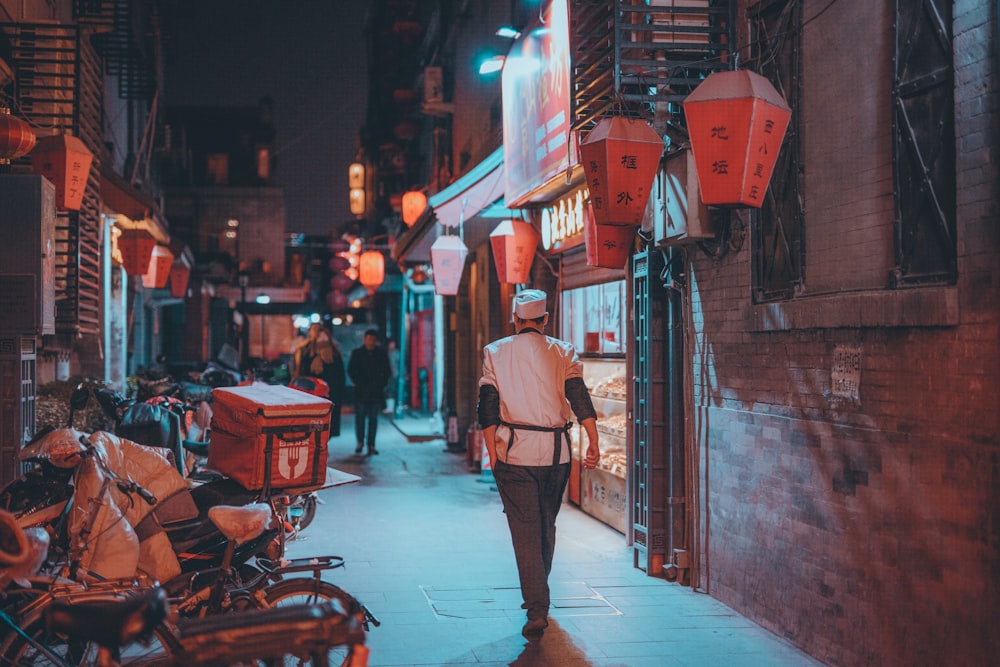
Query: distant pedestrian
{"x": 369, "y": 370}
{"x": 318, "y": 356}
{"x": 530, "y": 385}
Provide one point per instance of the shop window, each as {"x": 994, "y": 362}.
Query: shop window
{"x": 217, "y": 165}
{"x": 593, "y": 320}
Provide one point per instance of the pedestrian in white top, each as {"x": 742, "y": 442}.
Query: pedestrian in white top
{"x": 531, "y": 386}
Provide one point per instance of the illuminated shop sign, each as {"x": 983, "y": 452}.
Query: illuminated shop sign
{"x": 562, "y": 223}
{"x": 536, "y": 83}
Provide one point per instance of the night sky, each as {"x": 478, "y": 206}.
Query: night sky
{"x": 309, "y": 56}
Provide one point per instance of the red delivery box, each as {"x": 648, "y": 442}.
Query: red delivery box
{"x": 269, "y": 436}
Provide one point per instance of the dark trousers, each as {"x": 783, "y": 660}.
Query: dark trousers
{"x": 366, "y": 419}
{"x": 532, "y": 496}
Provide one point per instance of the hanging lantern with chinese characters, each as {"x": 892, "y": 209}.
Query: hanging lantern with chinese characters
{"x": 620, "y": 157}
{"x": 371, "y": 269}
{"x": 414, "y": 203}
{"x": 136, "y": 246}
{"x": 737, "y": 121}
{"x": 513, "y": 243}
{"x": 180, "y": 273}
{"x": 158, "y": 273}
{"x": 16, "y": 137}
{"x": 448, "y": 260}
{"x": 64, "y": 160}
{"x": 608, "y": 246}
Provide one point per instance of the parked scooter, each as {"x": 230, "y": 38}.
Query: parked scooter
{"x": 111, "y": 623}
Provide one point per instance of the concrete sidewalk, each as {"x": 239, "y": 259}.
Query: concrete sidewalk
{"x": 427, "y": 549}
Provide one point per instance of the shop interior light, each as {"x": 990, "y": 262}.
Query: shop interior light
{"x": 491, "y": 65}
{"x": 263, "y": 298}
{"x": 508, "y": 32}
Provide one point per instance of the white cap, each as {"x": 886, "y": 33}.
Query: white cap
{"x": 530, "y": 304}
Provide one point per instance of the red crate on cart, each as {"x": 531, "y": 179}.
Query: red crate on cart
{"x": 269, "y": 436}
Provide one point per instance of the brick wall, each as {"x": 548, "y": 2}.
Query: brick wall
{"x": 863, "y": 530}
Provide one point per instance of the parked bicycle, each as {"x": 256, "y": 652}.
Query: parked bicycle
{"x": 125, "y": 622}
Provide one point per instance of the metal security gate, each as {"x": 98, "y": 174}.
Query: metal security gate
{"x": 647, "y": 479}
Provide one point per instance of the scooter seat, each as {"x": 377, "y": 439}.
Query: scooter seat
{"x": 241, "y": 524}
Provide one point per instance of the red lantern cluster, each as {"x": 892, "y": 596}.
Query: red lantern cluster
{"x": 737, "y": 121}
{"x": 513, "y": 243}
{"x": 620, "y": 157}
{"x": 16, "y": 137}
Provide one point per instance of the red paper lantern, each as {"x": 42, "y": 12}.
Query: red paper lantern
{"x": 336, "y": 301}
{"x": 414, "y": 204}
{"x": 608, "y": 246}
{"x": 136, "y": 246}
{"x": 16, "y": 137}
{"x": 180, "y": 273}
{"x": 371, "y": 268}
{"x": 513, "y": 243}
{"x": 737, "y": 121}
{"x": 341, "y": 282}
{"x": 64, "y": 160}
{"x": 158, "y": 273}
{"x": 620, "y": 157}
{"x": 448, "y": 259}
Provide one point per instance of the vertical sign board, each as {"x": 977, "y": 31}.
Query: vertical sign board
{"x": 536, "y": 82}
{"x": 845, "y": 376}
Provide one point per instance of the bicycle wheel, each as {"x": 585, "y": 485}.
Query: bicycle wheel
{"x": 303, "y": 590}
{"x": 37, "y": 647}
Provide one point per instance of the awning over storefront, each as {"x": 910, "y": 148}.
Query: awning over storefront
{"x": 120, "y": 197}
{"x": 466, "y": 206}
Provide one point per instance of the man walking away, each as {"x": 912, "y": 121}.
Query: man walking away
{"x": 368, "y": 369}
{"x": 530, "y": 384}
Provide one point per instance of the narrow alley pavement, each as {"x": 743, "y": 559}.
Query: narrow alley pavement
{"x": 427, "y": 550}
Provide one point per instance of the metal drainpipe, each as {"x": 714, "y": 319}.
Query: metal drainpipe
{"x": 675, "y": 280}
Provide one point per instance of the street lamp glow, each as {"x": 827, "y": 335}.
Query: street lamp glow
{"x": 494, "y": 64}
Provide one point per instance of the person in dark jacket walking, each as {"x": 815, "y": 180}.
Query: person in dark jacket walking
{"x": 369, "y": 370}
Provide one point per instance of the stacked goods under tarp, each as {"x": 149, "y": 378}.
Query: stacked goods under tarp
{"x": 270, "y": 437}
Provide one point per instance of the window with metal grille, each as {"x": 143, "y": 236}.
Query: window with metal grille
{"x": 779, "y": 225}
{"x": 924, "y": 144}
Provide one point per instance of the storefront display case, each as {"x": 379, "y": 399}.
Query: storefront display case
{"x": 593, "y": 321}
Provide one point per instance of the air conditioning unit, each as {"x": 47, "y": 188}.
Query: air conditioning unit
{"x": 679, "y": 214}
{"x": 28, "y": 255}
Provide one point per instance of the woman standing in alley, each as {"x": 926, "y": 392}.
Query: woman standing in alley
{"x": 319, "y": 356}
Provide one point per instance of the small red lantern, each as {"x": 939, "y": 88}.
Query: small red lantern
{"x": 341, "y": 282}
{"x": 608, "y": 246}
{"x": 513, "y": 243}
{"x": 136, "y": 246}
{"x": 448, "y": 259}
{"x": 16, "y": 137}
{"x": 336, "y": 301}
{"x": 737, "y": 121}
{"x": 414, "y": 204}
{"x": 64, "y": 160}
{"x": 158, "y": 273}
{"x": 371, "y": 268}
{"x": 620, "y": 157}
{"x": 180, "y": 273}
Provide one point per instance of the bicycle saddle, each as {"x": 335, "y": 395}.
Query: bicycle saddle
{"x": 241, "y": 524}
{"x": 110, "y": 623}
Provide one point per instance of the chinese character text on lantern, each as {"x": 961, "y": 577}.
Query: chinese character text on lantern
{"x": 736, "y": 121}
{"x": 513, "y": 243}
{"x": 64, "y": 160}
{"x": 620, "y": 157}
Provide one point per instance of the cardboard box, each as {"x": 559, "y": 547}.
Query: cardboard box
{"x": 269, "y": 436}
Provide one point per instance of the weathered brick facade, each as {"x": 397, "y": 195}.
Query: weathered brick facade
{"x": 864, "y": 530}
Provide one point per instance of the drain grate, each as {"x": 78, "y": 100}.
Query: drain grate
{"x": 568, "y": 598}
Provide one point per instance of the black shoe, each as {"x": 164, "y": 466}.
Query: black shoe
{"x": 357, "y": 450}
{"x": 372, "y": 451}
{"x": 535, "y": 628}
